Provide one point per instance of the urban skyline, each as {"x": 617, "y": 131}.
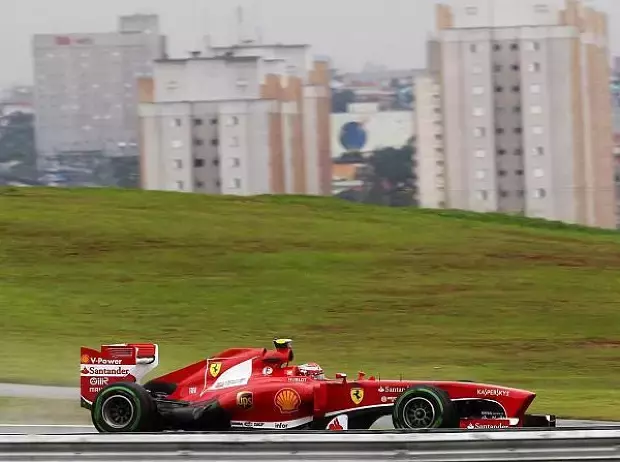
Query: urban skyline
{"x": 490, "y": 156}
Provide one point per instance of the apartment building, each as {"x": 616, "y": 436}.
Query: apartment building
{"x": 86, "y": 93}
{"x": 243, "y": 120}
{"x": 526, "y": 109}
{"x": 428, "y": 121}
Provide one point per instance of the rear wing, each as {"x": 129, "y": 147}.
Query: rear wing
{"x": 114, "y": 363}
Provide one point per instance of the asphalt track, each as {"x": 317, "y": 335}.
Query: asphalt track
{"x": 47, "y": 392}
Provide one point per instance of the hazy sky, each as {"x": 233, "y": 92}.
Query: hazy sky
{"x": 352, "y": 32}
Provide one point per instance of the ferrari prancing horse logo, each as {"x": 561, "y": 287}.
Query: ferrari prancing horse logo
{"x": 357, "y": 395}
{"x": 215, "y": 368}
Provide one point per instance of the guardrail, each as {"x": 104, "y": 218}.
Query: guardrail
{"x": 600, "y": 444}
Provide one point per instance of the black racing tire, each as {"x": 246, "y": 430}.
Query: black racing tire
{"x": 124, "y": 407}
{"x": 424, "y": 407}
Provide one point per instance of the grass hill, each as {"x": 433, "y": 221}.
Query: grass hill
{"x": 440, "y": 295}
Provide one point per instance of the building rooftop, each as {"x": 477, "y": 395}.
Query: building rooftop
{"x": 261, "y": 45}
{"x": 210, "y": 58}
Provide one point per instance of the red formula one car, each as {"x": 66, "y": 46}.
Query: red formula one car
{"x": 259, "y": 389}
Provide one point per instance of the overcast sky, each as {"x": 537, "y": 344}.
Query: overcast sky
{"x": 352, "y": 32}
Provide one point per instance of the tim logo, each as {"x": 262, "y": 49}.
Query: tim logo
{"x": 245, "y": 399}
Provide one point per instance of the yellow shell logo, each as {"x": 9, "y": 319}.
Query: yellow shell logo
{"x": 85, "y": 359}
{"x": 287, "y": 400}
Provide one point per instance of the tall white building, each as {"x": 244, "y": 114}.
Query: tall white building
{"x": 243, "y": 120}
{"x": 85, "y": 92}
{"x": 526, "y": 109}
{"x": 430, "y": 156}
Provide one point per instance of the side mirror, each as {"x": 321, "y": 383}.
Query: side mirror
{"x": 341, "y": 375}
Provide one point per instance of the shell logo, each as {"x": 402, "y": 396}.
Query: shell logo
{"x": 287, "y": 400}
{"x": 85, "y": 358}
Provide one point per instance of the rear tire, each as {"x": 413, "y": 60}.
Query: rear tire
{"x": 424, "y": 407}
{"x": 124, "y": 407}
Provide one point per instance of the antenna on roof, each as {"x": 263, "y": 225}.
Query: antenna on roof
{"x": 239, "y": 24}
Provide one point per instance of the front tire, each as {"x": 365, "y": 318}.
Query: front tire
{"x": 123, "y": 407}
{"x": 424, "y": 407}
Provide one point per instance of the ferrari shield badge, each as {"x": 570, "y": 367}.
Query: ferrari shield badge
{"x": 357, "y": 395}
{"x": 215, "y": 368}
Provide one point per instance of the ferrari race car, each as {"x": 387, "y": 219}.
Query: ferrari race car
{"x": 260, "y": 389}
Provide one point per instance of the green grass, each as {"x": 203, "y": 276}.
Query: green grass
{"x": 446, "y": 295}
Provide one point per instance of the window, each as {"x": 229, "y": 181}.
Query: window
{"x": 215, "y": 142}
{"x": 536, "y": 110}
{"x": 236, "y": 183}
{"x": 197, "y": 122}
{"x": 199, "y": 162}
{"x": 214, "y": 121}
{"x": 180, "y": 185}
{"x": 473, "y": 48}
{"x": 234, "y": 142}
{"x": 482, "y": 195}
{"x": 504, "y": 193}
{"x": 497, "y": 68}
{"x": 538, "y": 173}
{"x": 235, "y": 162}
{"x": 535, "y": 88}
{"x": 499, "y": 130}
{"x": 176, "y": 144}
{"x": 176, "y": 122}
{"x": 537, "y": 130}
{"x": 516, "y": 67}
{"x": 516, "y": 109}
{"x": 502, "y": 173}
{"x": 497, "y": 47}
{"x": 514, "y": 46}
{"x": 533, "y": 46}
{"x": 479, "y": 132}
{"x": 538, "y": 151}
{"x": 499, "y": 89}
{"x": 476, "y": 69}
{"x": 519, "y": 172}
{"x": 477, "y": 90}
{"x": 234, "y": 120}
{"x": 518, "y": 130}
{"x": 478, "y": 112}
{"x": 518, "y": 152}
{"x": 199, "y": 184}
{"x": 198, "y": 142}
{"x": 481, "y": 174}
{"x": 534, "y": 67}
{"x": 516, "y": 88}
{"x": 178, "y": 163}
{"x": 501, "y": 152}
{"x": 540, "y": 193}
{"x": 471, "y": 10}
{"x": 480, "y": 153}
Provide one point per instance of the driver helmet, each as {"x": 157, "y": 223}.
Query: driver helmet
{"x": 312, "y": 370}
